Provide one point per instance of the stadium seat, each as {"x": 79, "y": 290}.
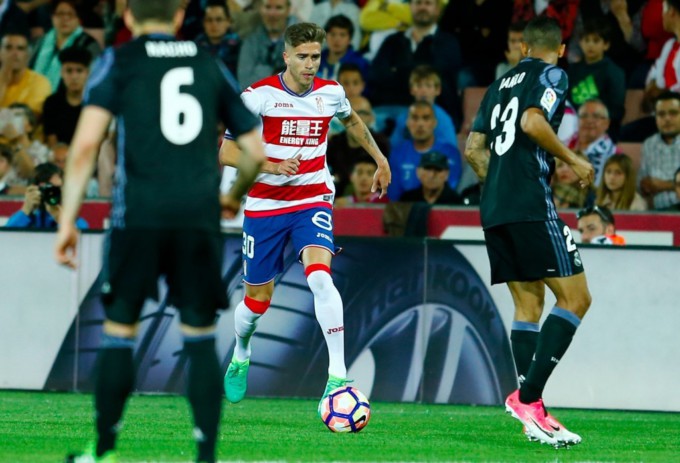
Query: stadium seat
{"x": 633, "y": 106}
{"x": 634, "y": 150}
{"x": 472, "y": 97}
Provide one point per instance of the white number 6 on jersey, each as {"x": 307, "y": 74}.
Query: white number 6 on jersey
{"x": 181, "y": 113}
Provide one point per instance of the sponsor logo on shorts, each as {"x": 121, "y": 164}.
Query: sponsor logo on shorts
{"x": 324, "y": 236}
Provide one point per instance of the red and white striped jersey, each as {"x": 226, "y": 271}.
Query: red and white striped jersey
{"x": 294, "y": 124}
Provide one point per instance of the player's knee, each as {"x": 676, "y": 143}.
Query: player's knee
{"x": 319, "y": 279}
{"x": 257, "y": 306}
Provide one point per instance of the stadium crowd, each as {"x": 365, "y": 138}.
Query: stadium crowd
{"x": 411, "y": 70}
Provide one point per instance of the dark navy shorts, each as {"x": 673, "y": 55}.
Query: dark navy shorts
{"x": 531, "y": 251}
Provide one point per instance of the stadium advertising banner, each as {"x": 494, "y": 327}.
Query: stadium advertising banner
{"x": 421, "y": 324}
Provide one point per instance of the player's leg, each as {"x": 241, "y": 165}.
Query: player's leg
{"x": 327, "y": 306}
{"x": 246, "y": 315}
{"x": 193, "y": 266}
{"x": 204, "y": 388}
{"x": 573, "y": 300}
{"x": 130, "y": 276}
{"x": 528, "y": 298}
{"x": 264, "y": 241}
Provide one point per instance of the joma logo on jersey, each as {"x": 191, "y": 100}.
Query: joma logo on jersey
{"x": 283, "y": 105}
{"x": 510, "y": 82}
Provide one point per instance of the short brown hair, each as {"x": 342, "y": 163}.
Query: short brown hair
{"x": 150, "y": 10}
{"x": 424, "y": 72}
{"x": 297, "y": 34}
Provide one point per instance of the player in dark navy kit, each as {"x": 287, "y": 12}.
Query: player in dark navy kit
{"x": 511, "y": 148}
{"x": 167, "y": 97}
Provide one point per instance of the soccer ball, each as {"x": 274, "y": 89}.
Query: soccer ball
{"x": 346, "y": 409}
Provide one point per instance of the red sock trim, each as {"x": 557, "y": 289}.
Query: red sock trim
{"x": 314, "y": 267}
{"x": 255, "y": 306}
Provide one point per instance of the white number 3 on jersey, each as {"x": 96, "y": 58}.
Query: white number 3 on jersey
{"x": 508, "y": 117}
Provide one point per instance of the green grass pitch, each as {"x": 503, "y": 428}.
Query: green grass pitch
{"x": 43, "y": 427}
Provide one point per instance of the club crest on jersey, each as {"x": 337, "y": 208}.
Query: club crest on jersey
{"x": 548, "y": 99}
{"x": 319, "y": 104}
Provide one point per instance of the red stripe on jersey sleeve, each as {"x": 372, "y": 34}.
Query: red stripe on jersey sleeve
{"x": 307, "y": 166}
{"x": 288, "y": 192}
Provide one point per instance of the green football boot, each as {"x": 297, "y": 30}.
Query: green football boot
{"x": 236, "y": 380}
{"x": 333, "y": 383}
{"x": 89, "y": 456}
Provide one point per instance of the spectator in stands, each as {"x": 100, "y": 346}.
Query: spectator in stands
{"x": 566, "y": 186}
{"x": 13, "y": 19}
{"x": 596, "y": 75}
{"x": 513, "y": 51}
{"x": 423, "y": 43}
{"x": 481, "y": 28}
{"x": 426, "y": 85}
{"x": 597, "y": 226}
{"x": 324, "y": 10}
{"x": 665, "y": 72}
{"x": 381, "y": 18}
{"x": 676, "y": 181}
{"x": 42, "y": 201}
{"x": 361, "y": 180}
{"x": 20, "y": 135}
{"x": 62, "y": 108}
{"x": 661, "y": 153}
{"x": 351, "y": 79}
{"x": 655, "y": 36}
{"x": 217, "y": 38}
{"x": 663, "y": 75}
{"x": 564, "y": 11}
{"x": 592, "y": 138}
{"x": 262, "y": 51}
{"x": 9, "y": 182}
{"x": 433, "y": 174}
{"x": 18, "y": 84}
{"x": 405, "y": 157}
{"x": 624, "y": 19}
{"x": 66, "y": 32}
{"x": 618, "y": 188}
{"x": 338, "y": 50}
{"x": 344, "y": 151}
{"x": 568, "y": 130}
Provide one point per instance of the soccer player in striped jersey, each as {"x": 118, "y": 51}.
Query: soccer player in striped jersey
{"x": 293, "y": 195}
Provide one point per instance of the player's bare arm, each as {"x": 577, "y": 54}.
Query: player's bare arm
{"x": 230, "y": 154}
{"x": 535, "y": 125}
{"x": 251, "y": 158}
{"x": 89, "y": 134}
{"x": 477, "y": 154}
{"x": 357, "y": 129}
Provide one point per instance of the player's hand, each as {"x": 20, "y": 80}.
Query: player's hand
{"x": 584, "y": 171}
{"x": 230, "y": 206}
{"x": 289, "y": 166}
{"x": 382, "y": 179}
{"x": 65, "y": 249}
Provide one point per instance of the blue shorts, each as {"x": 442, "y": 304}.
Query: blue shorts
{"x": 265, "y": 239}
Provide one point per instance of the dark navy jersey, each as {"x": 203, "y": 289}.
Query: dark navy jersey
{"x": 517, "y": 187}
{"x": 167, "y": 97}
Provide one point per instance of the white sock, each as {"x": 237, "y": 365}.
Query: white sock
{"x": 245, "y": 323}
{"x": 328, "y": 309}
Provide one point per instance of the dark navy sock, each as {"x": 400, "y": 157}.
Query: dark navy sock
{"x": 204, "y": 391}
{"x": 553, "y": 341}
{"x": 113, "y": 384}
{"x": 524, "y": 337}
